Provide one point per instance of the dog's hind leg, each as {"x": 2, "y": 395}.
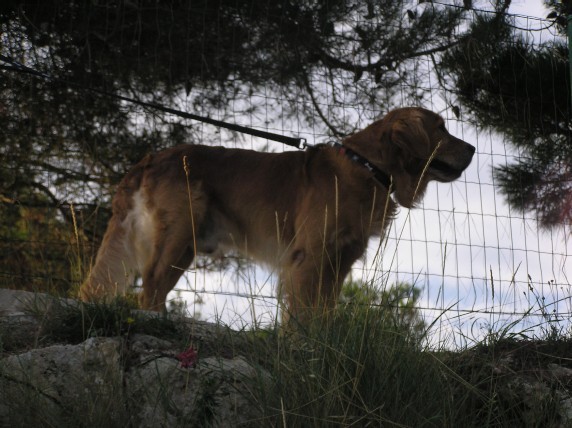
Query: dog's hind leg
{"x": 173, "y": 250}
{"x": 171, "y": 256}
{"x": 115, "y": 266}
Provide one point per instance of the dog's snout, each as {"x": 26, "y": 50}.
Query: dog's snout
{"x": 464, "y": 150}
{"x": 470, "y": 152}
{"x": 463, "y": 144}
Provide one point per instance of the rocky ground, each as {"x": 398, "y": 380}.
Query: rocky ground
{"x": 152, "y": 370}
{"x": 150, "y": 380}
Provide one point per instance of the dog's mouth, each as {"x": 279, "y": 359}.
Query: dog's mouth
{"x": 454, "y": 165}
{"x": 444, "y": 171}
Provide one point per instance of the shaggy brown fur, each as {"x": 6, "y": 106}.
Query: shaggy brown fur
{"x": 307, "y": 213}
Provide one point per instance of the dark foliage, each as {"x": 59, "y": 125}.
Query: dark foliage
{"x": 521, "y": 91}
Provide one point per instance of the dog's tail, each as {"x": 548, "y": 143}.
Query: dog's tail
{"x": 126, "y": 244}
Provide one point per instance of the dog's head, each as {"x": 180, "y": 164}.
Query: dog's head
{"x": 413, "y": 146}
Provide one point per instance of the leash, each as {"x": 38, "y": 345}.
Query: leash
{"x": 299, "y": 143}
{"x": 289, "y": 141}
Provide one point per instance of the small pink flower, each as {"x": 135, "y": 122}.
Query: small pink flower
{"x": 188, "y": 358}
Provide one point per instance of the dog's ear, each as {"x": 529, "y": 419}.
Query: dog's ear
{"x": 410, "y": 135}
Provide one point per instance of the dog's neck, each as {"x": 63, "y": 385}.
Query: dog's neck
{"x": 380, "y": 176}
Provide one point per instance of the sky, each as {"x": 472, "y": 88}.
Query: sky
{"x": 532, "y": 8}
{"x": 480, "y": 265}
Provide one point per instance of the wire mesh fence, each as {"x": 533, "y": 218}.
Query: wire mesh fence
{"x": 481, "y": 264}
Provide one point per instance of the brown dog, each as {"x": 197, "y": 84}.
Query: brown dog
{"x": 308, "y": 213}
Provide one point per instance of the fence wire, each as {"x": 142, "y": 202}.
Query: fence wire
{"x": 480, "y": 264}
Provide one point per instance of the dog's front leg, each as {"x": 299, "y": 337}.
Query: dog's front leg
{"x": 312, "y": 279}
{"x": 303, "y": 294}
{"x": 299, "y": 289}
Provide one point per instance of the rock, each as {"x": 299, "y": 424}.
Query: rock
{"x": 19, "y": 303}
{"x": 55, "y": 377}
{"x": 209, "y": 395}
{"x": 106, "y": 381}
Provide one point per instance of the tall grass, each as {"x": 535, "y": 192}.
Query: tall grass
{"x": 363, "y": 369}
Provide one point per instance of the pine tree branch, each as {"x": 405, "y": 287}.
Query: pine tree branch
{"x": 330, "y": 126}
